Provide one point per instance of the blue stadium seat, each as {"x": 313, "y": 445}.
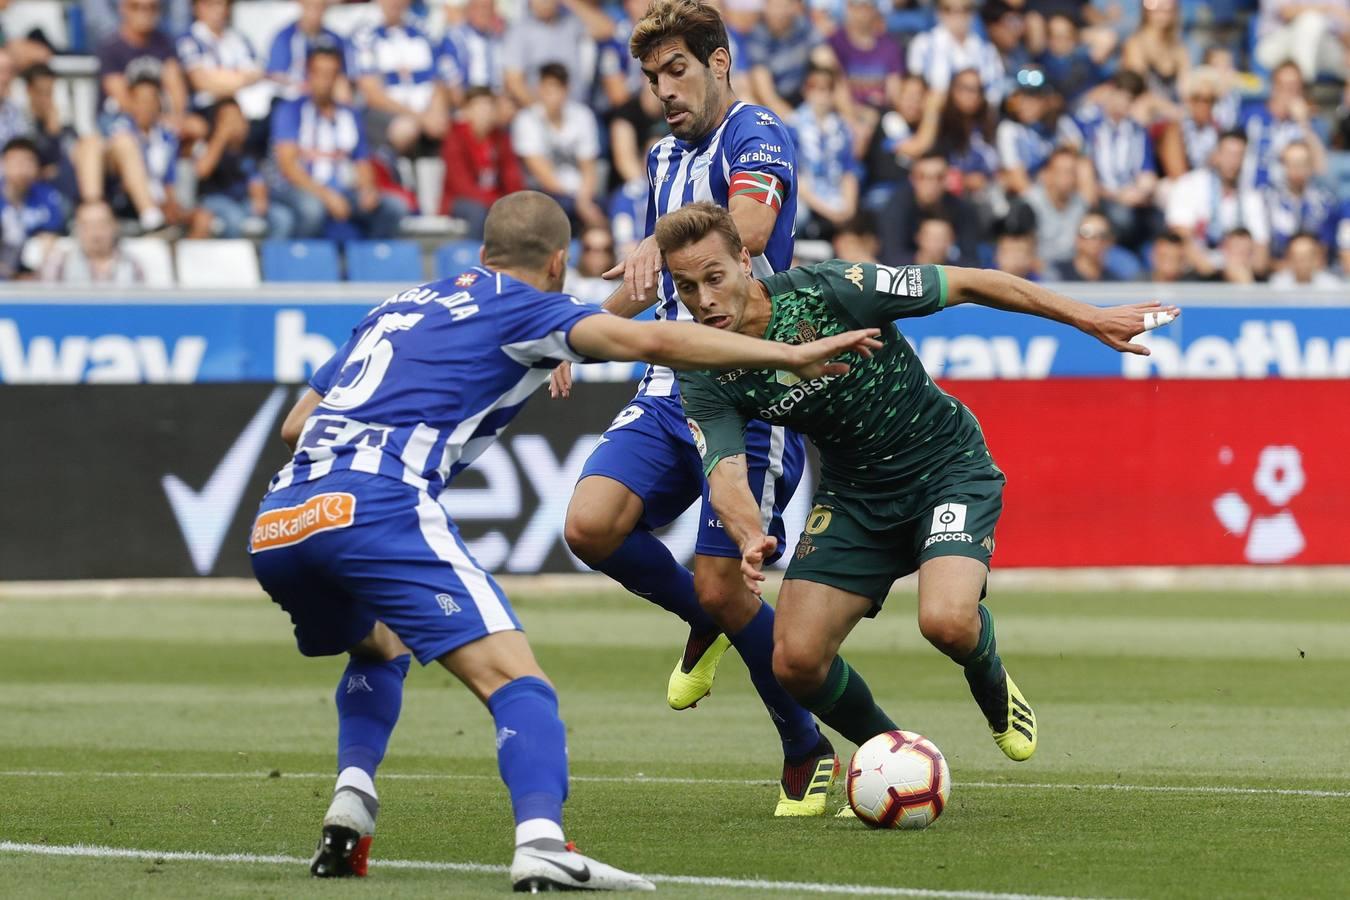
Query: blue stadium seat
{"x": 456, "y": 256}
{"x": 387, "y": 261}
{"x": 299, "y": 261}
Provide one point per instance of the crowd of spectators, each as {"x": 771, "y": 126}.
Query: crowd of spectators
{"x": 1073, "y": 140}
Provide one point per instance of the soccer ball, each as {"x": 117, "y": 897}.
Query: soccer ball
{"x": 898, "y": 780}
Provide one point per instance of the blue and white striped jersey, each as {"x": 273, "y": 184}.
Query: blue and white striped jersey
{"x": 431, "y": 376}
{"x": 290, "y": 54}
{"x": 201, "y": 48}
{"x": 476, "y": 57}
{"x": 329, "y": 147}
{"x": 750, "y": 140}
{"x": 406, "y": 60}
{"x": 1120, "y": 151}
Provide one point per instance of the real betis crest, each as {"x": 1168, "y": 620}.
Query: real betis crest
{"x": 806, "y": 332}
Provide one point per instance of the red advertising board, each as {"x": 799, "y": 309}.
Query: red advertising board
{"x": 1117, "y": 472}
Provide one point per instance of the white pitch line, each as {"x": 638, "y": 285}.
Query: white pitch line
{"x": 1234, "y": 790}
{"x": 751, "y": 884}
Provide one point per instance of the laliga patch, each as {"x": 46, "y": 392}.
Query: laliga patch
{"x": 294, "y": 524}
{"x": 699, "y": 443}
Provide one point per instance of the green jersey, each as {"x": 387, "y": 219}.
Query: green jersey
{"x": 883, "y": 427}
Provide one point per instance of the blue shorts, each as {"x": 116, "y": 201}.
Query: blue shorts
{"x": 347, "y": 550}
{"x": 649, "y": 449}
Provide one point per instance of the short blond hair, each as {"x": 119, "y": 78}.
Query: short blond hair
{"x": 696, "y": 23}
{"x": 691, "y": 224}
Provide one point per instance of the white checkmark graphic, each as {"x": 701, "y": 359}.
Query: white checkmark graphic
{"x": 204, "y": 516}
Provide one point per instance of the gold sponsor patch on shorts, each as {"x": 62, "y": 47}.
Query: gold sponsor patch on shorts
{"x": 293, "y": 524}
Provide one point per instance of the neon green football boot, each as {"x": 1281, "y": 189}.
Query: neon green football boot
{"x": 693, "y": 677}
{"x": 1017, "y": 739}
{"x": 805, "y": 787}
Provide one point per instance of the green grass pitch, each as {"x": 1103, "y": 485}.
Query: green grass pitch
{"x": 1192, "y": 745}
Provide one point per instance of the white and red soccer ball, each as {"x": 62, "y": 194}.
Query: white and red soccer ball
{"x": 898, "y": 779}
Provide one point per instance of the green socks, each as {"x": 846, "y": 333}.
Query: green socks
{"x": 983, "y": 667}
{"x": 844, "y": 702}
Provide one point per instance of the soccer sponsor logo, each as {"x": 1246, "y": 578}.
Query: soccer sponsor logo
{"x": 293, "y": 524}
{"x": 947, "y": 538}
{"x": 800, "y": 390}
{"x": 447, "y": 604}
{"x": 700, "y": 442}
{"x": 906, "y": 282}
{"x": 854, "y": 273}
{"x": 949, "y": 518}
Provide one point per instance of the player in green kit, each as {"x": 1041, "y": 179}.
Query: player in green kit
{"x": 907, "y": 482}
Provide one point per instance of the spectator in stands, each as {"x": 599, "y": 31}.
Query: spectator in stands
{"x": 29, "y": 206}
{"x": 1305, "y": 266}
{"x": 237, "y": 197}
{"x": 1168, "y": 257}
{"x": 935, "y": 243}
{"x": 563, "y": 32}
{"x": 402, "y": 77}
{"x": 1059, "y": 207}
{"x": 1234, "y": 262}
{"x": 1187, "y": 143}
{"x": 1206, "y": 204}
{"x": 868, "y": 57}
{"x": 633, "y": 128}
{"x": 1092, "y": 241}
{"x": 952, "y": 46}
{"x": 140, "y": 154}
{"x": 620, "y": 75}
{"x": 780, "y": 50}
{"x": 597, "y": 257}
{"x": 289, "y": 56}
{"x": 321, "y": 155}
{"x": 1121, "y": 152}
{"x": 31, "y": 49}
{"x": 1015, "y": 253}
{"x": 475, "y": 45}
{"x": 480, "y": 166}
{"x": 224, "y": 76}
{"x": 856, "y": 240}
{"x": 13, "y": 122}
{"x": 1299, "y": 205}
{"x": 102, "y": 19}
{"x": 966, "y": 133}
{"x": 904, "y": 133}
{"x": 1286, "y": 117}
{"x": 827, "y": 189}
{"x": 1071, "y": 67}
{"x": 1006, "y": 27}
{"x": 139, "y": 45}
{"x": 95, "y": 257}
{"x": 558, "y": 141}
{"x": 54, "y": 139}
{"x": 1313, "y": 34}
{"x": 926, "y": 195}
{"x": 1219, "y": 60}
{"x": 741, "y": 18}
{"x": 1026, "y": 138}
{"x": 1156, "y": 51}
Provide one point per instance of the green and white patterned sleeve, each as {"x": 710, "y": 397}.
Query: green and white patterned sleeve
{"x": 717, "y": 426}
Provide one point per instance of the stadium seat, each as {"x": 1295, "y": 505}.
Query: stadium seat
{"x": 260, "y": 20}
{"x": 217, "y": 264}
{"x": 429, "y": 172}
{"x": 299, "y": 261}
{"x": 387, "y": 261}
{"x": 48, "y": 16}
{"x": 155, "y": 258}
{"x": 1338, "y": 172}
{"x": 456, "y": 256}
{"x": 348, "y": 18}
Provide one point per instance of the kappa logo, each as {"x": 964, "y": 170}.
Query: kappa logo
{"x": 949, "y": 518}
{"x": 504, "y": 734}
{"x": 465, "y": 280}
{"x": 447, "y": 604}
{"x": 854, "y": 274}
{"x": 293, "y": 524}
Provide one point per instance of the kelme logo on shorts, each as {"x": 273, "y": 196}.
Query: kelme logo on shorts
{"x": 293, "y": 524}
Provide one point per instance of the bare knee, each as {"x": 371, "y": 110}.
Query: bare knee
{"x": 799, "y": 669}
{"x": 592, "y": 535}
{"x": 722, "y": 593}
{"x": 403, "y": 134}
{"x": 952, "y": 628}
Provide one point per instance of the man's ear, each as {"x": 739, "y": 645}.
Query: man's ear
{"x": 720, "y": 62}
{"x": 557, "y": 266}
{"x": 746, "y": 264}
{"x": 482, "y": 256}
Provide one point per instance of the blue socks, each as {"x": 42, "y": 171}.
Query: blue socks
{"x": 796, "y": 727}
{"x": 643, "y": 565}
{"x": 369, "y": 698}
{"x": 531, "y": 756}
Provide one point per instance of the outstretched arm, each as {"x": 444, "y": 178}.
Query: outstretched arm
{"x": 1114, "y": 326}
{"x": 729, "y": 493}
{"x": 684, "y": 345}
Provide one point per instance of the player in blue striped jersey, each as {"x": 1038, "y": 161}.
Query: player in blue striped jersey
{"x": 351, "y": 541}
{"x": 645, "y": 471}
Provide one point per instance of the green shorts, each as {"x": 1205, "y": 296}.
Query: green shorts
{"x": 862, "y": 545}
